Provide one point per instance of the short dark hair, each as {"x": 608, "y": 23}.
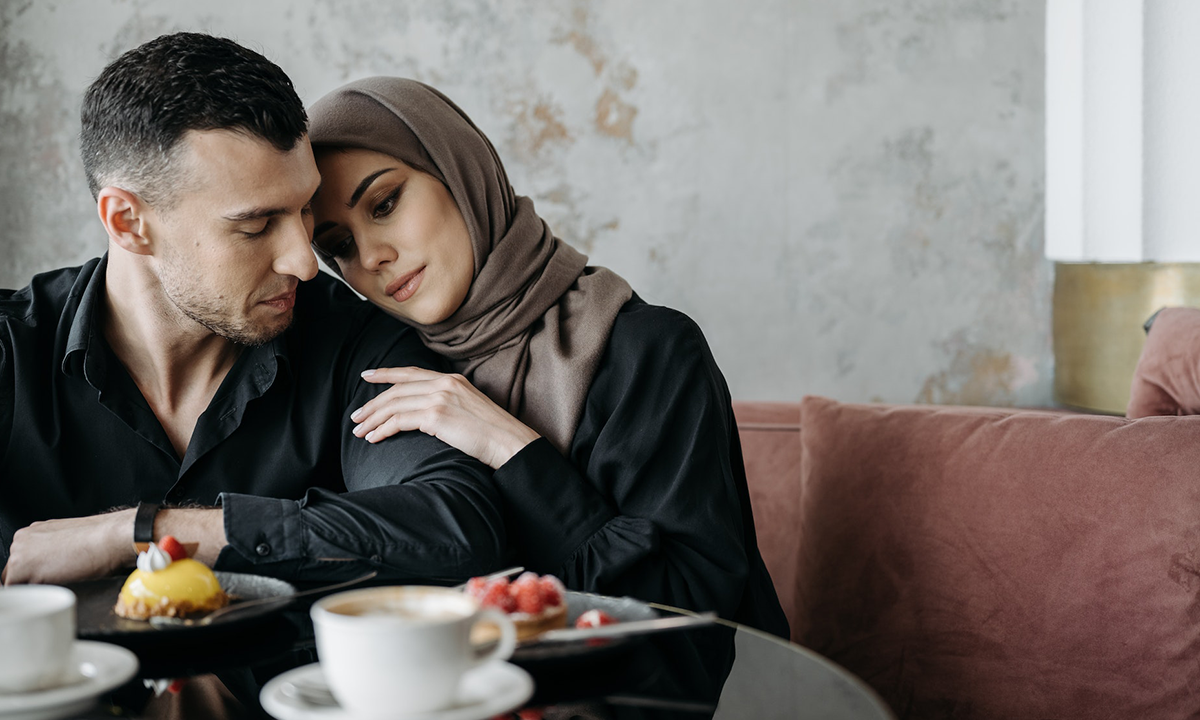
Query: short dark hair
{"x": 135, "y": 113}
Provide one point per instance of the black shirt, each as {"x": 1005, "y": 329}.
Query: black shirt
{"x": 303, "y": 498}
{"x": 652, "y": 502}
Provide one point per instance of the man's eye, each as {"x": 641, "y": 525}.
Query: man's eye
{"x": 387, "y": 205}
{"x": 259, "y": 232}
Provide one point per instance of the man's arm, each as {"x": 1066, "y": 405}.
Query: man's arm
{"x": 100, "y": 545}
{"x": 415, "y": 507}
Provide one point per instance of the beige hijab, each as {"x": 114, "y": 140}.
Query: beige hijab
{"x": 537, "y": 318}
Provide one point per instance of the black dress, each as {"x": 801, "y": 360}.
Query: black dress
{"x": 653, "y": 501}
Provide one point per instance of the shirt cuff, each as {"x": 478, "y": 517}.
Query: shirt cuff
{"x": 262, "y": 531}
{"x": 551, "y": 509}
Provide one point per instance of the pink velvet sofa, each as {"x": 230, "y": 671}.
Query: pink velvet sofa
{"x": 994, "y": 563}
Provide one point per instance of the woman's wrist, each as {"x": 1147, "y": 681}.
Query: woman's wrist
{"x": 514, "y": 443}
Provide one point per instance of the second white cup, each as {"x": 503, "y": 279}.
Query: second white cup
{"x": 389, "y": 651}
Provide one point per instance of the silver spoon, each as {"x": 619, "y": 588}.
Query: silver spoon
{"x": 492, "y": 576}
{"x": 162, "y": 621}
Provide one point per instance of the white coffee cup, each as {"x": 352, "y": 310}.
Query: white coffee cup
{"x": 37, "y": 631}
{"x": 390, "y": 651}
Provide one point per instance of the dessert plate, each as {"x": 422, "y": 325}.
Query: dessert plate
{"x": 97, "y": 621}
{"x": 624, "y": 609}
{"x": 98, "y": 668}
{"x": 488, "y": 690}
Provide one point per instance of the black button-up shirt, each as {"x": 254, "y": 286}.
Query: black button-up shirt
{"x": 303, "y": 498}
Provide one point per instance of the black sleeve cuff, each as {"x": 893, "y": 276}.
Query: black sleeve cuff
{"x": 261, "y": 531}
{"x": 550, "y": 509}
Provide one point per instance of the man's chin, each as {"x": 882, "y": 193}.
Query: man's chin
{"x": 258, "y": 335}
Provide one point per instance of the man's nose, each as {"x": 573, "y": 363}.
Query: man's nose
{"x": 296, "y": 256}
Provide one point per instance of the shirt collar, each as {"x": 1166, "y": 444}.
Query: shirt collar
{"x": 86, "y": 296}
{"x": 83, "y": 328}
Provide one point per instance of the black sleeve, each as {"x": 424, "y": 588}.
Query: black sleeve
{"x": 7, "y": 389}
{"x": 415, "y": 508}
{"x": 655, "y": 514}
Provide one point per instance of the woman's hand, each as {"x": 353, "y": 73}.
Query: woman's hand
{"x": 447, "y": 407}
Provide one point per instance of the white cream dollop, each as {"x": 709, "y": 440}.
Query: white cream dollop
{"x": 153, "y": 559}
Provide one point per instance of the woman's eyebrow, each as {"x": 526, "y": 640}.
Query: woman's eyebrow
{"x": 362, "y": 186}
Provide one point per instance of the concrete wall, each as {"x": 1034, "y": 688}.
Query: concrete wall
{"x": 847, "y": 195}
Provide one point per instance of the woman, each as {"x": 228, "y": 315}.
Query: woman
{"x": 606, "y": 418}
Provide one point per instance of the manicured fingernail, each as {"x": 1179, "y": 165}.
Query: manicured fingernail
{"x": 368, "y": 373}
{"x": 370, "y": 436}
{"x": 356, "y": 430}
{"x": 356, "y": 415}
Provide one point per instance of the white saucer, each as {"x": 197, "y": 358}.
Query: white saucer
{"x": 487, "y": 690}
{"x": 100, "y": 667}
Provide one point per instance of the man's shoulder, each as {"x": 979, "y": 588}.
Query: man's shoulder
{"x": 46, "y": 296}
{"x": 326, "y": 299}
{"x": 332, "y": 320}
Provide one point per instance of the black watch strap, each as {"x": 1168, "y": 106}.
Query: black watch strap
{"x": 143, "y": 525}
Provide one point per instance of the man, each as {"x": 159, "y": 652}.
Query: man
{"x": 204, "y": 361}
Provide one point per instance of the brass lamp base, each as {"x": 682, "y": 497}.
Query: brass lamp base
{"x": 1099, "y": 309}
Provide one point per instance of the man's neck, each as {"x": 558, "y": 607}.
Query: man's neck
{"x": 177, "y": 363}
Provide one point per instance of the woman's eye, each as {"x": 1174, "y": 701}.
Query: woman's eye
{"x": 340, "y": 248}
{"x": 387, "y": 205}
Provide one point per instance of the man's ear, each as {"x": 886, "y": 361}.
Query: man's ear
{"x": 124, "y": 216}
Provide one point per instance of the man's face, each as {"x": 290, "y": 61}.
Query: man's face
{"x": 232, "y": 249}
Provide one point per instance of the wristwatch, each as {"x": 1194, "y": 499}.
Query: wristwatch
{"x": 143, "y": 526}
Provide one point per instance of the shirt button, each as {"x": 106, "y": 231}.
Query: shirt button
{"x": 263, "y": 549}
{"x": 376, "y": 559}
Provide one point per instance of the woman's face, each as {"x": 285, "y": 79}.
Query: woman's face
{"x": 395, "y": 232}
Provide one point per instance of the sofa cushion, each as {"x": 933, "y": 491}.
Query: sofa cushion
{"x": 1167, "y": 378}
{"x": 770, "y": 436}
{"x": 989, "y": 563}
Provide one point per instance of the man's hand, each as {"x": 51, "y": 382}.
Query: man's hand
{"x": 61, "y": 551}
{"x": 447, "y": 407}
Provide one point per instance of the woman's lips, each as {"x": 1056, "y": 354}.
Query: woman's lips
{"x": 402, "y": 288}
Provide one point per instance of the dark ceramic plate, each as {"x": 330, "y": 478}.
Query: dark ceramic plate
{"x": 623, "y": 609}
{"x": 97, "y": 621}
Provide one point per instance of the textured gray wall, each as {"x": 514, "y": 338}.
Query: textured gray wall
{"x": 846, "y": 195}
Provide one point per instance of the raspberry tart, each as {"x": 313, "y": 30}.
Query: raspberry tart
{"x": 168, "y": 582}
{"x": 534, "y": 603}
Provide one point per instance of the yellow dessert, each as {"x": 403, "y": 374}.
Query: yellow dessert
{"x": 181, "y": 588}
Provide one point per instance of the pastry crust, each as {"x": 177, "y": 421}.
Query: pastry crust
{"x": 140, "y": 610}
{"x": 528, "y": 626}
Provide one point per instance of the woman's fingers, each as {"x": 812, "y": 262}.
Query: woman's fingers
{"x": 424, "y": 382}
{"x": 407, "y": 389}
{"x": 371, "y": 418}
{"x": 400, "y": 374}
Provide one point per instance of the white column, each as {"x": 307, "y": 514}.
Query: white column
{"x": 1094, "y": 130}
{"x": 1064, "y": 129}
{"x": 1172, "y": 125}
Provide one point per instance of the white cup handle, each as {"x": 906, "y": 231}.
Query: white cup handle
{"x": 508, "y": 635}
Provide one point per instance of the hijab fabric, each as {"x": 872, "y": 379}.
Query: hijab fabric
{"x": 537, "y": 318}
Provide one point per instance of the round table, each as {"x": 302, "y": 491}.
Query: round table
{"x": 722, "y": 670}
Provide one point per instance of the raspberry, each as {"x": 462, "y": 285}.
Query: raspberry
{"x": 594, "y": 618}
{"x": 529, "y": 597}
{"x": 526, "y": 578}
{"x": 476, "y": 586}
{"x": 552, "y": 591}
{"x": 496, "y": 595}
